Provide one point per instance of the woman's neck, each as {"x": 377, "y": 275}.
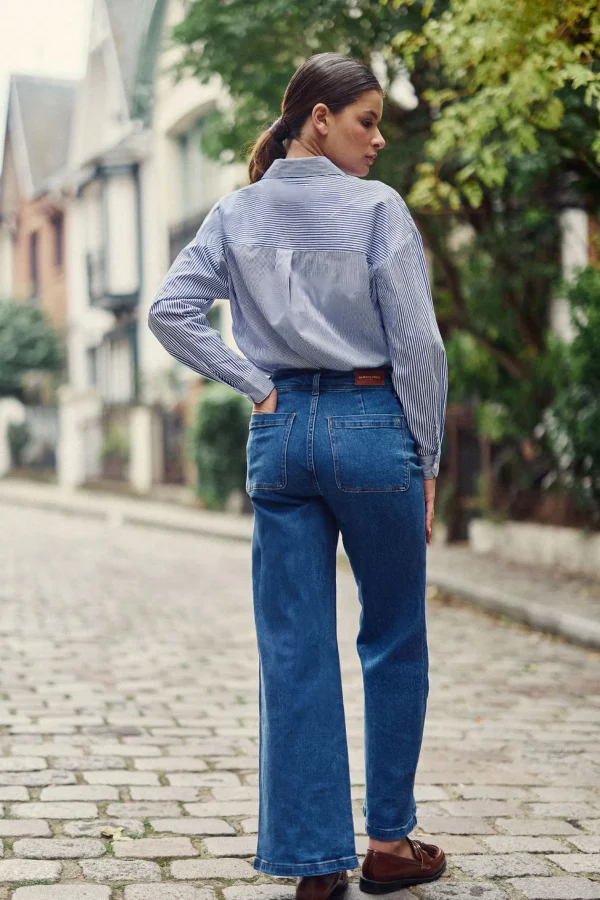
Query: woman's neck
{"x": 297, "y": 150}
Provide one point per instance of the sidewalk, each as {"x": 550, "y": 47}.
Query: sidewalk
{"x": 546, "y": 599}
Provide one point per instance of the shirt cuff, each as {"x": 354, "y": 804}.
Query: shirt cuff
{"x": 258, "y": 387}
{"x": 430, "y": 465}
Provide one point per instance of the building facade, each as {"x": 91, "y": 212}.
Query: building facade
{"x": 138, "y": 188}
{"x": 32, "y": 241}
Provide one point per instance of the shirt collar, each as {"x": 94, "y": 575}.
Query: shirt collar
{"x": 301, "y": 166}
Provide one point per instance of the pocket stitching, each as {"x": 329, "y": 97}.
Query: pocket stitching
{"x": 371, "y": 420}
{"x": 263, "y": 418}
{"x": 360, "y": 423}
{"x": 287, "y": 424}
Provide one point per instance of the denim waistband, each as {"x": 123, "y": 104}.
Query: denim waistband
{"x": 327, "y": 379}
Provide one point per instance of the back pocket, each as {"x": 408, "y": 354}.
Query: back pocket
{"x": 266, "y": 450}
{"x": 369, "y": 452}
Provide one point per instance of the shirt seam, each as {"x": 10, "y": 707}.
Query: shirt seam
{"x": 308, "y": 176}
{"x": 411, "y": 237}
{"x": 228, "y": 241}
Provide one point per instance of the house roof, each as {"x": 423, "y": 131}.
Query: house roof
{"x": 153, "y": 17}
{"x": 128, "y": 23}
{"x": 40, "y": 113}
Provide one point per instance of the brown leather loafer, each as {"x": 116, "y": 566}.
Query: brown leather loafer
{"x": 321, "y": 887}
{"x": 383, "y": 873}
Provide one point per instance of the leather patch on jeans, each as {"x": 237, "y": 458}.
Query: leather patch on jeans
{"x": 369, "y": 376}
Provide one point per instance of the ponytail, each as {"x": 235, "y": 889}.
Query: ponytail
{"x": 268, "y": 148}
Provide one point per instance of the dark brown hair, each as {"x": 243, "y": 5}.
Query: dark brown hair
{"x": 330, "y": 78}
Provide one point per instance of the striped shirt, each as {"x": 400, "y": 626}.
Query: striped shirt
{"x": 322, "y": 270}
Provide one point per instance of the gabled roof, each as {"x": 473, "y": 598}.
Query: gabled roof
{"x": 127, "y": 24}
{"x": 39, "y": 117}
{"x": 142, "y": 99}
{"x": 136, "y": 31}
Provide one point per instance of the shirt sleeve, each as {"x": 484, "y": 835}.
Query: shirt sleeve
{"x": 418, "y": 355}
{"x": 177, "y": 316}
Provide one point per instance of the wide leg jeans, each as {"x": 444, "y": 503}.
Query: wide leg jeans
{"x": 336, "y": 457}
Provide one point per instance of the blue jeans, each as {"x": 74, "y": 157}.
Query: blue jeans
{"x": 335, "y": 457}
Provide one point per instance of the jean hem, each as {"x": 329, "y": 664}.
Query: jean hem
{"x": 390, "y": 834}
{"x": 289, "y": 870}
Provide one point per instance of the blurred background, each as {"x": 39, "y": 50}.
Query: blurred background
{"x": 125, "y": 120}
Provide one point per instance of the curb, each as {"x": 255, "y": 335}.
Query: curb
{"x": 573, "y": 628}
{"x": 120, "y": 513}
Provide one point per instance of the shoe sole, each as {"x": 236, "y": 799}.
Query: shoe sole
{"x": 387, "y": 887}
{"x": 339, "y": 889}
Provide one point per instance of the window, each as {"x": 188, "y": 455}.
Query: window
{"x": 34, "y": 285}
{"x": 92, "y": 367}
{"x": 57, "y": 229}
{"x": 192, "y": 168}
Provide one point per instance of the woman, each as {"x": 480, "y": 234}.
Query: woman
{"x": 347, "y": 372}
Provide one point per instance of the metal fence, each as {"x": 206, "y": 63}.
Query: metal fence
{"x": 42, "y": 427}
{"x": 173, "y": 431}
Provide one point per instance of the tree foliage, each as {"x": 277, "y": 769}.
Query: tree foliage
{"x": 28, "y": 343}
{"x": 511, "y": 71}
{"x": 571, "y": 424}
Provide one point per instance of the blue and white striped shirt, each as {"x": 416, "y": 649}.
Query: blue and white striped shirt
{"x": 322, "y": 270}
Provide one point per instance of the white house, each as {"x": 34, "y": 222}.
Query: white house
{"x": 32, "y": 266}
{"x": 179, "y": 185}
{"x": 139, "y": 189}
{"x": 103, "y": 240}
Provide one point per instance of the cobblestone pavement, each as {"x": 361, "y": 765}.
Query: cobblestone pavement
{"x": 128, "y": 702}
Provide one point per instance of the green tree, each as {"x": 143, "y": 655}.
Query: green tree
{"x": 512, "y": 73}
{"x": 27, "y": 343}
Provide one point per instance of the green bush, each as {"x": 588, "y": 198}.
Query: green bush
{"x": 571, "y": 424}
{"x": 27, "y": 343}
{"x": 116, "y": 442}
{"x": 18, "y": 437}
{"x": 218, "y": 439}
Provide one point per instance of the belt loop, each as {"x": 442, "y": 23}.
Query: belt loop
{"x": 315, "y": 386}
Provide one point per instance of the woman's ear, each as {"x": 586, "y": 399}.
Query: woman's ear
{"x": 320, "y": 117}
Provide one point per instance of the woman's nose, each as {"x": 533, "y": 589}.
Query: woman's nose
{"x": 379, "y": 142}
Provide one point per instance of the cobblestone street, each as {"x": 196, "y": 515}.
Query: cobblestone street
{"x": 129, "y": 726}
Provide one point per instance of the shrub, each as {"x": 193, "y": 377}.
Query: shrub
{"x": 116, "y": 442}
{"x": 218, "y": 439}
{"x": 28, "y": 343}
{"x": 571, "y": 424}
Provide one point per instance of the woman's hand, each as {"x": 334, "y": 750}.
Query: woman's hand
{"x": 429, "y": 489}
{"x": 268, "y": 405}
